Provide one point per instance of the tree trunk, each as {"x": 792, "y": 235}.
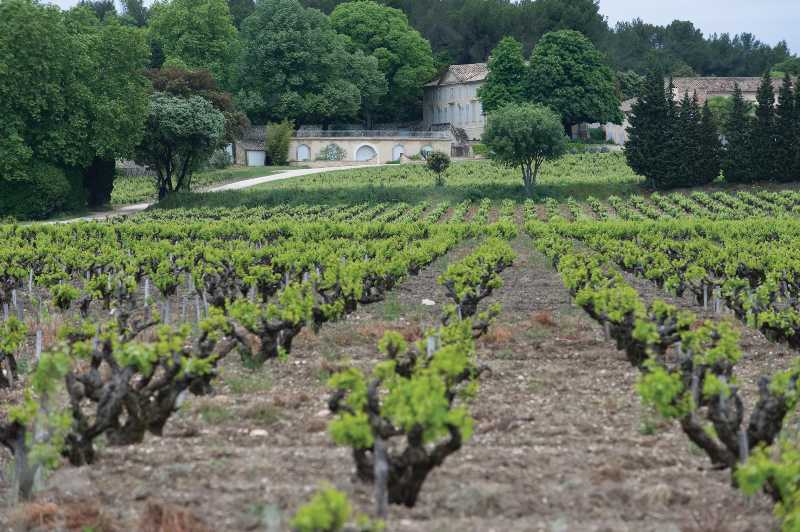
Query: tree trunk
{"x": 527, "y": 180}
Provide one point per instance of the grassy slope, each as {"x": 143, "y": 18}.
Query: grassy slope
{"x": 579, "y": 176}
{"x": 129, "y": 190}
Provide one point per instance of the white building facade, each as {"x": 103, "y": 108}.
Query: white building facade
{"x": 452, "y": 100}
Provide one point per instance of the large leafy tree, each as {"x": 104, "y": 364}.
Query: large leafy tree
{"x": 403, "y": 55}
{"x": 240, "y": 10}
{"x": 196, "y": 34}
{"x": 185, "y": 83}
{"x": 505, "y": 82}
{"x": 525, "y": 136}
{"x": 294, "y": 65}
{"x": 568, "y": 74}
{"x": 72, "y": 91}
{"x": 180, "y": 135}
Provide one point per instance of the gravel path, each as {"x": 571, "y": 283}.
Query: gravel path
{"x": 236, "y": 185}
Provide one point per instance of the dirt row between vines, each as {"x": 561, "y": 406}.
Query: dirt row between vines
{"x": 561, "y": 441}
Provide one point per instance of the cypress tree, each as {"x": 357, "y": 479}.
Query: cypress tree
{"x": 796, "y": 128}
{"x": 710, "y": 155}
{"x": 736, "y": 161}
{"x": 786, "y": 130}
{"x": 682, "y": 147}
{"x": 764, "y": 141}
{"x": 649, "y": 130}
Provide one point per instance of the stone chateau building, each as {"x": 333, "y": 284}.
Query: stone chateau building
{"x": 452, "y": 100}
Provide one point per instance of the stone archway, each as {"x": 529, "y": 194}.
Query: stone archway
{"x": 366, "y": 152}
{"x": 398, "y": 151}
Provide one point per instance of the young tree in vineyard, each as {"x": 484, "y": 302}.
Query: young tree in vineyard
{"x": 525, "y": 136}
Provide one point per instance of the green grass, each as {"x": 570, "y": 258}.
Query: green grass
{"x": 578, "y": 175}
{"x": 129, "y": 190}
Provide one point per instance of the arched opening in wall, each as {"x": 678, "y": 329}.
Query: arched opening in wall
{"x": 365, "y": 152}
{"x": 426, "y": 150}
{"x": 303, "y": 153}
{"x": 397, "y": 152}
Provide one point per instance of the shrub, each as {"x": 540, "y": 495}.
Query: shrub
{"x": 47, "y": 190}
{"x": 332, "y": 152}
{"x": 276, "y": 143}
{"x": 480, "y": 150}
{"x": 597, "y": 135}
{"x": 329, "y": 511}
{"x": 220, "y": 159}
{"x": 438, "y": 163}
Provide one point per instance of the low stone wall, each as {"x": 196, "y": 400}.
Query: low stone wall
{"x": 376, "y": 150}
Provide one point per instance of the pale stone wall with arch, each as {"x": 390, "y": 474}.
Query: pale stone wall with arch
{"x": 384, "y": 147}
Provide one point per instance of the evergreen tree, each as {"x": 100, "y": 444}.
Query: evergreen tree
{"x": 796, "y": 128}
{"x": 506, "y": 80}
{"x": 649, "y": 130}
{"x": 786, "y": 130}
{"x": 710, "y": 161}
{"x": 764, "y": 141}
{"x": 682, "y": 148}
{"x": 736, "y": 162}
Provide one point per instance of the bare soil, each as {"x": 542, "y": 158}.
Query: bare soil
{"x": 561, "y": 440}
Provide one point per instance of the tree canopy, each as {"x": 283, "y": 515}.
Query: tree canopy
{"x": 196, "y": 34}
{"x": 180, "y": 135}
{"x": 525, "y": 136}
{"x": 465, "y": 31}
{"x": 294, "y": 65}
{"x": 506, "y": 80}
{"x": 403, "y": 56}
{"x": 568, "y": 74}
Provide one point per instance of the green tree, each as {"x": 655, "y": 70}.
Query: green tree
{"x": 180, "y": 135}
{"x": 737, "y": 165}
{"x": 709, "y": 162}
{"x": 790, "y": 66}
{"x": 796, "y": 151}
{"x": 764, "y": 142}
{"x": 525, "y": 136}
{"x": 438, "y": 163}
{"x": 650, "y": 129}
{"x": 630, "y": 84}
{"x": 71, "y": 93}
{"x": 134, "y": 13}
{"x": 505, "y": 82}
{"x": 404, "y": 56}
{"x": 240, "y": 10}
{"x": 276, "y": 143}
{"x": 568, "y": 74}
{"x": 196, "y": 34}
{"x": 294, "y": 65}
{"x": 786, "y": 122}
{"x": 185, "y": 83}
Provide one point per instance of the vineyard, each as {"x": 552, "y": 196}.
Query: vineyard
{"x": 594, "y": 358}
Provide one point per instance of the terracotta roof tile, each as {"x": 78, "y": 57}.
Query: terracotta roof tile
{"x": 464, "y": 73}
